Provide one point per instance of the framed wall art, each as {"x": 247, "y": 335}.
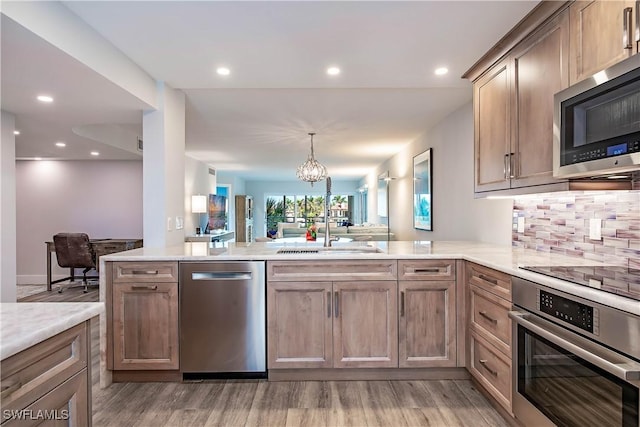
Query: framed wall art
{"x": 422, "y": 195}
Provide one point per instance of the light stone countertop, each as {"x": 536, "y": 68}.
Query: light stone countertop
{"x": 502, "y": 258}
{"x": 24, "y": 324}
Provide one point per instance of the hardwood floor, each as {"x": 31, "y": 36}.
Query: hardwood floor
{"x": 261, "y": 403}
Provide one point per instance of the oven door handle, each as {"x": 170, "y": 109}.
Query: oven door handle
{"x": 623, "y": 367}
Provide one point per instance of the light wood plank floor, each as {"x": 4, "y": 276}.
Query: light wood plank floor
{"x": 262, "y": 403}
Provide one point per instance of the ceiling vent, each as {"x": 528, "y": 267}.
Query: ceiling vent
{"x": 212, "y": 171}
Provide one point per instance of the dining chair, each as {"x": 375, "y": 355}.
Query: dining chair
{"x": 74, "y": 250}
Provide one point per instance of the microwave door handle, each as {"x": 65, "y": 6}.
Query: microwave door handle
{"x": 627, "y": 371}
{"x": 627, "y": 29}
{"x": 638, "y": 25}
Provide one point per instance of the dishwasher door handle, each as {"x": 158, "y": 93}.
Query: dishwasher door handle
{"x": 221, "y": 275}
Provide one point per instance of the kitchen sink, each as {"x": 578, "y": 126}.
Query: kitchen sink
{"x": 321, "y": 250}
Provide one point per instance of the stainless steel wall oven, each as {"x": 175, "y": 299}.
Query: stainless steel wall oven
{"x": 575, "y": 362}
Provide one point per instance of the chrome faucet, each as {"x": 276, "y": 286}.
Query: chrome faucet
{"x": 327, "y": 205}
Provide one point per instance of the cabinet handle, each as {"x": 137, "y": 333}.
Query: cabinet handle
{"x": 637, "y": 24}
{"x": 328, "y": 304}
{"x": 138, "y": 272}
{"x": 491, "y": 280}
{"x": 627, "y": 28}
{"x": 483, "y": 362}
{"x": 489, "y": 318}
{"x": 8, "y": 390}
{"x": 511, "y": 166}
{"x": 144, "y": 287}
{"x": 336, "y": 304}
{"x": 427, "y": 270}
{"x": 401, "y": 304}
{"x": 505, "y": 168}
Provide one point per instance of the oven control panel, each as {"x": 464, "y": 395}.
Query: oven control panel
{"x": 577, "y": 314}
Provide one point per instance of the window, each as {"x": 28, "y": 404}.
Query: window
{"x": 305, "y": 210}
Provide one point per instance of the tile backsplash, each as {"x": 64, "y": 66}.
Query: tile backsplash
{"x": 559, "y": 222}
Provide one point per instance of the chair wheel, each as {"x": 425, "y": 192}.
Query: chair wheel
{"x": 85, "y": 291}
{"x": 59, "y": 291}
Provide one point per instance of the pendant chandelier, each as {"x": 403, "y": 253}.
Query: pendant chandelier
{"x": 311, "y": 170}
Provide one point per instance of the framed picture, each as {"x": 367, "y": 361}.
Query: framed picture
{"x": 422, "y": 196}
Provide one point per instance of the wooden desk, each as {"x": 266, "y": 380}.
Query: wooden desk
{"x": 100, "y": 246}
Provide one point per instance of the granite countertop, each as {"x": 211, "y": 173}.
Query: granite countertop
{"x": 25, "y": 324}
{"x": 502, "y": 258}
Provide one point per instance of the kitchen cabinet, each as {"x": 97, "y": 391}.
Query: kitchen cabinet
{"x": 489, "y": 330}
{"x": 144, "y": 313}
{"x": 427, "y": 313}
{"x": 332, "y": 314}
{"x": 513, "y": 110}
{"x": 244, "y": 218}
{"x": 49, "y": 379}
{"x": 603, "y": 33}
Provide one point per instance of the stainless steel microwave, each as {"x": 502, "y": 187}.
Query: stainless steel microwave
{"x": 596, "y": 124}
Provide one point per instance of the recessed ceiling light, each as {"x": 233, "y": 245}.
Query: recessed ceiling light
{"x": 16, "y": 132}
{"x": 95, "y": 153}
{"x": 441, "y": 71}
{"x": 37, "y": 158}
{"x": 333, "y": 71}
{"x": 60, "y": 144}
{"x": 223, "y": 71}
{"x": 45, "y": 98}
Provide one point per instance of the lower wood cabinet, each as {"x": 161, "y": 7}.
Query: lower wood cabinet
{"x": 489, "y": 338}
{"x": 49, "y": 383}
{"x": 145, "y": 326}
{"x": 427, "y": 324}
{"x": 142, "y": 316}
{"x": 332, "y": 324}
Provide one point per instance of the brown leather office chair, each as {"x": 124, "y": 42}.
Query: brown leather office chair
{"x": 74, "y": 250}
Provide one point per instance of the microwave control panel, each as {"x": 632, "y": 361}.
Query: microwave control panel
{"x": 577, "y": 314}
{"x": 608, "y": 151}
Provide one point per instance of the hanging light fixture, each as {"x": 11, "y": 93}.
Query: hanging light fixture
{"x": 311, "y": 170}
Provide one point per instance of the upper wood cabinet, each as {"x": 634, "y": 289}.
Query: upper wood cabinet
{"x": 513, "y": 110}
{"x": 603, "y": 33}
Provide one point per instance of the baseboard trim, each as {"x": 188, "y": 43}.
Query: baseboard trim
{"x": 364, "y": 374}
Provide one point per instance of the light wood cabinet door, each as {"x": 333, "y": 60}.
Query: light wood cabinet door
{"x": 145, "y": 326}
{"x": 540, "y": 69}
{"x": 427, "y": 324}
{"x": 492, "y": 124}
{"x": 299, "y": 328}
{"x": 365, "y": 329}
{"x": 597, "y": 36}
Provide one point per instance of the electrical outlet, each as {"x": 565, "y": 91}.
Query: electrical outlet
{"x": 169, "y": 224}
{"x": 520, "y": 224}
{"x": 595, "y": 229}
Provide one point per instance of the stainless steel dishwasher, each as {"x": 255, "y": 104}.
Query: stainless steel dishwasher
{"x": 222, "y": 320}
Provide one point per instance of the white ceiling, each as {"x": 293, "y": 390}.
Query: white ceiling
{"x": 256, "y": 120}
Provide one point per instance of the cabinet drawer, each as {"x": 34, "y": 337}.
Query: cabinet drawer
{"x": 324, "y": 271}
{"x": 490, "y": 280}
{"x": 27, "y": 375}
{"x": 492, "y": 369}
{"x": 128, "y": 272}
{"x": 427, "y": 270}
{"x": 490, "y": 315}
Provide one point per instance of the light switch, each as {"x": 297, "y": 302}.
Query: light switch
{"x": 595, "y": 229}
{"x": 179, "y": 223}
{"x": 169, "y": 224}
{"x": 520, "y": 224}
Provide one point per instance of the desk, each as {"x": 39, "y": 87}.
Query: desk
{"x": 100, "y": 246}
{"x": 216, "y": 236}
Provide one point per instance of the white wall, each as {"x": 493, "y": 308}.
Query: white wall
{"x": 100, "y": 198}
{"x": 260, "y": 189}
{"x": 456, "y": 214}
{"x": 7, "y": 209}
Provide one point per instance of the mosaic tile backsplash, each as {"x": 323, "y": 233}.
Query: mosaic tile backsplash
{"x": 559, "y": 222}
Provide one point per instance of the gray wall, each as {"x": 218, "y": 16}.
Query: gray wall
{"x": 100, "y": 198}
{"x": 457, "y": 215}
